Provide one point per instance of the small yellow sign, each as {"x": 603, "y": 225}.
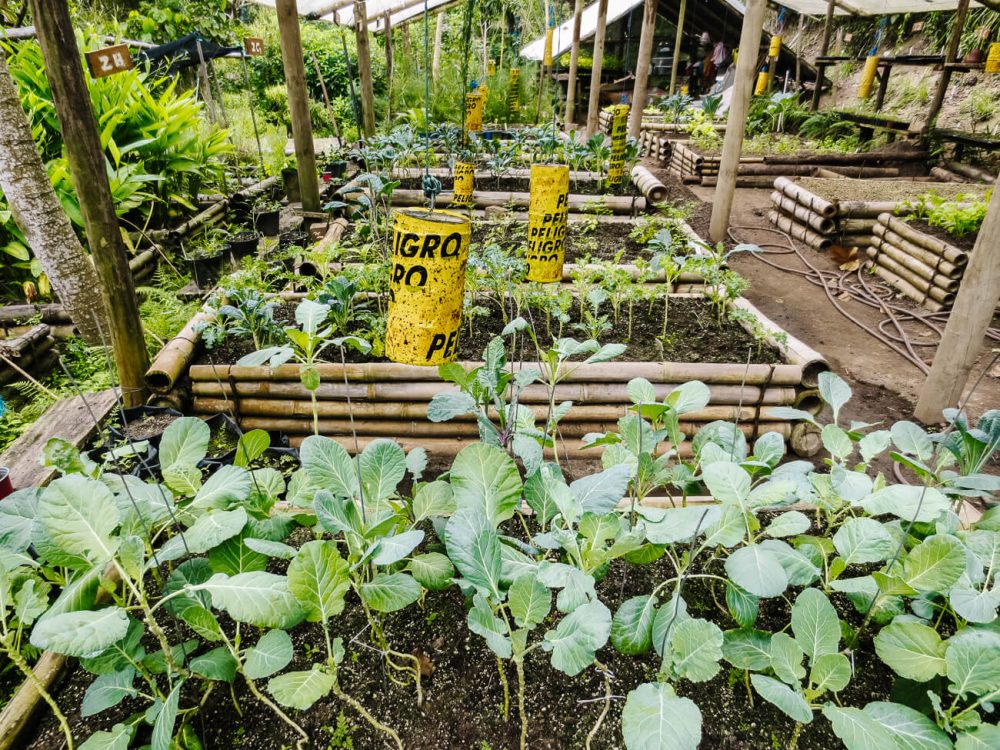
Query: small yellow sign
{"x": 514, "y": 91}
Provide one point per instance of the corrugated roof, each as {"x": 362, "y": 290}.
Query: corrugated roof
{"x": 870, "y": 7}
{"x": 342, "y": 12}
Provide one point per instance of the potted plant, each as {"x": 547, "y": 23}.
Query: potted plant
{"x": 290, "y": 178}
{"x": 265, "y": 216}
{"x": 6, "y": 486}
{"x": 207, "y": 260}
{"x": 242, "y": 244}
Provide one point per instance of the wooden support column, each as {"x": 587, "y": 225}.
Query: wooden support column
{"x": 88, "y": 171}
{"x": 642, "y": 65}
{"x": 298, "y": 102}
{"x": 364, "y": 68}
{"x": 950, "y": 55}
{"x": 678, "y": 43}
{"x": 388, "y": 66}
{"x": 970, "y": 317}
{"x": 574, "y": 60}
{"x": 746, "y": 67}
{"x": 438, "y": 39}
{"x": 883, "y": 87}
{"x": 594, "y": 104}
{"x": 824, "y": 50}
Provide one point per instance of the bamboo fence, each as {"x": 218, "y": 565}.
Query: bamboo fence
{"x": 27, "y": 354}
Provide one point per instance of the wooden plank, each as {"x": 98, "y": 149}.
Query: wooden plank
{"x": 71, "y": 419}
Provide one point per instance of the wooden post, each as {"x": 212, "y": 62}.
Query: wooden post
{"x": 326, "y": 99}
{"x": 642, "y": 65}
{"x": 404, "y": 36}
{"x": 438, "y": 39}
{"x": 883, "y": 87}
{"x": 678, "y": 43}
{"x": 206, "y": 84}
{"x": 950, "y": 55}
{"x": 594, "y": 105}
{"x": 574, "y": 60}
{"x": 388, "y": 66}
{"x": 88, "y": 171}
{"x": 746, "y": 66}
{"x": 798, "y": 51}
{"x": 298, "y": 102}
{"x": 364, "y": 68}
{"x": 970, "y": 317}
{"x": 824, "y": 49}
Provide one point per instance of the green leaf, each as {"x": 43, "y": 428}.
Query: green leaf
{"x": 729, "y": 529}
{"x": 577, "y": 637}
{"x": 84, "y": 633}
{"x": 696, "y": 648}
{"x": 483, "y": 622}
{"x": 433, "y": 499}
{"x": 266, "y": 547}
{"x": 117, "y": 739}
{"x": 786, "y": 658}
{"x": 743, "y": 606}
{"x": 239, "y": 554}
{"x": 184, "y": 442}
{"x": 910, "y": 729}
{"x": 258, "y": 598}
{"x": 450, "y": 404}
{"x": 973, "y": 605}
{"x": 830, "y": 672}
{"x": 432, "y": 570}
{"x": 863, "y": 540}
{"x": 836, "y": 441}
{"x": 390, "y": 592}
{"x": 973, "y": 662}
{"x": 632, "y": 625}
{"x": 383, "y": 466}
{"x": 727, "y": 482}
{"x": 654, "y": 718}
{"x": 217, "y": 664}
{"x": 907, "y": 502}
{"x": 815, "y": 624}
{"x": 486, "y": 478}
{"x": 912, "y": 439}
{"x": 529, "y": 600}
{"x": 251, "y": 446}
{"x": 311, "y": 315}
{"x": 857, "y": 730}
{"x": 474, "y": 549}
{"x": 79, "y": 515}
{"x": 673, "y": 525}
{"x": 163, "y": 727}
{"x": 668, "y": 617}
{"x": 834, "y": 391}
{"x": 392, "y": 549}
{"x": 209, "y": 531}
{"x": 934, "y": 565}
{"x": 328, "y": 465}
{"x": 318, "y": 578}
{"x": 779, "y": 694}
{"x": 757, "y": 570}
{"x": 300, "y": 690}
{"x": 108, "y": 690}
{"x": 272, "y": 653}
{"x": 912, "y": 650}
{"x": 600, "y": 493}
{"x": 789, "y": 523}
{"x": 747, "y": 649}
{"x": 228, "y": 485}
{"x": 983, "y": 737}
{"x": 17, "y": 515}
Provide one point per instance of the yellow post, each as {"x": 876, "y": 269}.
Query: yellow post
{"x": 868, "y": 77}
{"x": 429, "y": 253}
{"x": 548, "y": 211}
{"x": 475, "y": 103}
{"x": 619, "y": 133}
{"x": 464, "y": 186}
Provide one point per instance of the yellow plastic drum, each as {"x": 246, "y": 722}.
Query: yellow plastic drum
{"x": 868, "y": 77}
{"x": 548, "y": 212}
{"x": 993, "y": 58}
{"x": 475, "y": 102}
{"x": 514, "y": 91}
{"x": 761, "y": 87}
{"x": 465, "y": 183}
{"x": 774, "y": 50}
{"x": 429, "y": 253}
{"x": 619, "y": 136}
{"x": 547, "y": 54}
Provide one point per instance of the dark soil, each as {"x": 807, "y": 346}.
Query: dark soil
{"x": 693, "y": 335}
{"x": 463, "y": 694}
{"x": 148, "y": 426}
{"x": 605, "y": 241}
{"x": 966, "y": 242}
{"x": 522, "y": 185}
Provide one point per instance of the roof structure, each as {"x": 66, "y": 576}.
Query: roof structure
{"x": 870, "y": 7}
{"x": 342, "y": 11}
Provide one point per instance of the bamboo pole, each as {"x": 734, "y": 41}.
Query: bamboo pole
{"x": 364, "y": 69}
{"x": 88, "y": 171}
{"x": 650, "y": 185}
{"x": 298, "y": 102}
{"x": 813, "y": 202}
{"x": 722, "y": 204}
{"x": 925, "y": 287}
{"x": 594, "y": 103}
{"x": 824, "y": 49}
{"x": 678, "y": 44}
{"x": 643, "y": 64}
{"x": 438, "y": 38}
{"x": 34, "y": 362}
{"x": 906, "y": 288}
{"x": 926, "y": 257}
{"x": 794, "y": 350}
{"x": 803, "y": 214}
{"x": 936, "y": 246}
{"x": 48, "y": 313}
{"x": 950, "y": 55}
{"x": 973, "y": 173}
{"x": 574, "y": 61}
{"x": 799, "y": 231}
{"x": 619, "y": 204}
{"x": 173, "y": 358}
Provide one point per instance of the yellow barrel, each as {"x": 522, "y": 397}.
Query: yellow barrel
{"x": 547, "y": 54}
{"x": 491, "y": 67}
{"x": 548, "y": 211}
{"x": 475, "y": 103}
{"x": 619, "y": 135}
{"x": 465, "y": 177}
{"x": 993, "y": 58}
{"x": 761, "y": 87}
{"x": 774, "y": 50}
{"x": 514, "y": 91}
{"x": 429, "y": 253}
{"x": 868, "y": 77}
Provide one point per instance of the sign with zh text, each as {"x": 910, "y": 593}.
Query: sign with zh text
{"x": 109, "y": 60}
{"x": 253, "y": 46}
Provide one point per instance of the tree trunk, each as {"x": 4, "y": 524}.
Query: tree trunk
{"x": 40, "y": 216}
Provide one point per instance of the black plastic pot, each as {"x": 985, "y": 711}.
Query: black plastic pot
{"x": 206, "y": 271}
{"x": 244, "y": 244}
{"x": 136, "y": 413}
{"x": 336, "y": 169}
{"x": 6, "y": 486}
{"x": 272, "y": 452}
{"x": 293, "y": 237}
{"x": 144, "y": 464}
{"x": 267, "y": 222}
{"x": 227, "y": 424}
{"x": 290, "y": 178}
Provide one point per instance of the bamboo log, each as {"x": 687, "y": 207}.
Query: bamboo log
{"x": 927, "y": 288}
{"x": 649, "y": 184}
{"x": 974, "y": 173}
{"x": 907, "y": 288}
{"x": 19, "y": 712}
{"x": 869, "y": 209}
{"x": 939, "y": 247}
{"x": 794, "y": 350}
{"x": 946, "y": 175}
{"x": 880, "y": 246}
{"x": 333, "y": 234}
{"x": 805, "y": 440}
{"x": 856, "y": 226}
{"x": 927, "y": 258}
{"x": 15, "y": 346}
{"x": 173, "y": 358}
{"x": 619, "y": 204}
{"x": 804, "y": 214}
{"x": 744, "y": 182}
{"x": 799, "y": 231}
{"x": 216, "y": 211}
{"x": 827, "y": 173}
{"x": 50, "y": 313}
{"x": 797, "y": 192}
{"x": 36, "y": 361}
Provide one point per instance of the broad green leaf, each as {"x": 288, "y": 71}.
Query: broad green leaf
{"x": 530, "y": 601}
{"x": 769, "y": 448}
{"x": 163, "y": 727}
{"x": 311, "y": 315}
{"x": 747, "y": 649}
{"x": 577, "y": 587}
{"x": 786, "y": 658}
{"x": 184, "y": 442}
{"x": 688, "y": 397}
{"x": 79, "y": 515}
{"x": 389, "y": 592}
{"x": 432, "y": 570}
{"x": 830, "y": 672}
{"x": 318, "y": 578}
{"x": 934, "y": 565}
{"x": 383, "y": 466}
{"x": 729, "y": 529}
{"x": 600, "y": 493}
{"x": 983, "y": 737}
{"x": 912, "y": 439}
{"x": 117, "y": 739}
{"x": 266, "y": 547}
{"x": 329, "y": 466}
{"x": 217, "y": 664}
{"x": 696, "y": 648}
{"x": 912, "y": 650}
{"x": 834, "y": 391}
{"x": 801, "y": 571}
{"x": 228, "y": 485}
{"x": 448, "y": 405}
{"x": 907, "y": 502}
{"x": 486, "y": 478}
{"x": 251, "y": 446}
{"x": 108, "y": 690}
{"x": 84, "y": 633}
{"x": 240, "y": 554}
{"x": 857, "y": 730}
{"x": 392, "y": 549}
{"x": 300, "y": 690}
{"x": 863, "y": 540}
{"x": 973, "y": 662}
{"x": 577, "y": 637}
{"x": 872, "y": 444}
{"x": 474, "y": 549}
{"x": 789, "y": 523}
{"x": 209, "y": 531}
{"x": 815, "y": 624}
{"x": 548, "y": 495}
{"x": 272, "y": 653}
{"x": 668, "y": 617}
{"x": 779, "y": 694}
{"x": 258, "y": 598}
{"x": 17, "y": 514}
{"x": 433, "y": 499}
{"x": 744, "y": 607}
{"x": 654, "y": 718}
{"x": 632, "y": 625}
{"x": 757, "y": 570}
{"x": 673, "y": 525}
{"x": 974, "y": 605}
{"x": 641, "y": 391}
{"x": 836, "y": 441}
{"x": 910, "y": 729}
{"x": 493, "y": 630}
{"x": 727, "y": 482}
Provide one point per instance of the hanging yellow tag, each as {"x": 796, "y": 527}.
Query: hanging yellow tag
{"x": 774, "y": 50}
{"x": 993, "y": 58}
{"x": 464, "y": 186}
{"x": 429, "y": 253}
{"x": 619, "y": 136}
{"x": 761, "y": 87}
{"x": 547, "y": 55}
{"x": 514, "y": 91}
{"x": 474, "y": 105}
{"x": 548, "y": 212}
{"x": 868, "y": 77}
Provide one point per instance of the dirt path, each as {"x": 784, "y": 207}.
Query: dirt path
{"x": 885, "y": 384}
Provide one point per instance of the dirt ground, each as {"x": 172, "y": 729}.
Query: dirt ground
{"x": 885, "y": 384}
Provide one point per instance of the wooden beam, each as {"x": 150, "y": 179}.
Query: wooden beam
{"x": 438, "y": 38}
{"x": 594, "y": 105}
{"x": 950, "y": 55}
{"x": 364, "y": 69}
{"x": 746, "y": 67}
{"x": 971, "y": 315}
{"x": 574, "y": 61}
{"x": 823, "y": 50}
{"x": 88, "y": 171}
{"x": 642, "y": 66}
{"x": 678, "y": 43}
{"x": 298, "y": 102}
